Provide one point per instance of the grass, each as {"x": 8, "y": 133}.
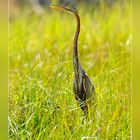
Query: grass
{"x": 41, "y": 101}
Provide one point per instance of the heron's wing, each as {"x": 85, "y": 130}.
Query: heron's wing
{"x": 88, "y": 87}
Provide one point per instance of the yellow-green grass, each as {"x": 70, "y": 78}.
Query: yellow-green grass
{"x": 41, "y": 102}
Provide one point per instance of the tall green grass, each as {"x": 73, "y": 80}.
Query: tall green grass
{"x": 41, "y": 102}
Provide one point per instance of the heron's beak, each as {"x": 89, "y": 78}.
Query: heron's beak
{"x": 62, "y": 8}
{"x": 57, "y": 7}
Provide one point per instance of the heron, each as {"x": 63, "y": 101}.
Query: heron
{"x": 82, "y": 86}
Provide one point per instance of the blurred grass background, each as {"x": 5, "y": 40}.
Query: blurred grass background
{"x": 3, "y": 70}
{"x": 41, "y": 101}
{"x": 135, "y": 70}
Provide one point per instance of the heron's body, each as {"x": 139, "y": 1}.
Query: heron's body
{"x": 82, "y": 86}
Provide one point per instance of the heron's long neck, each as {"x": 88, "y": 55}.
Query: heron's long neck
{"x": 76, "y": 63}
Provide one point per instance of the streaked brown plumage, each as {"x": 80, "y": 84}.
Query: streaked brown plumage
{"x": 82, "y": 86}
